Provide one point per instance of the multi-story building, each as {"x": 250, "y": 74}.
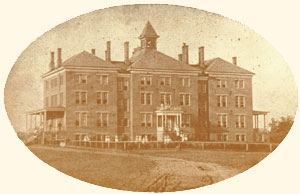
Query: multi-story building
{"x": 148, "y": 96}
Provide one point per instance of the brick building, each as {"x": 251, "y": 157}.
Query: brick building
{"x": 148, "y": 96}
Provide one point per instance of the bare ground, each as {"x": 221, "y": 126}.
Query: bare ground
{"x": 172, "y": 174}
{"x": 142, "y": 172}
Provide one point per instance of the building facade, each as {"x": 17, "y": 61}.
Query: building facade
{"x": 148, "y": 96}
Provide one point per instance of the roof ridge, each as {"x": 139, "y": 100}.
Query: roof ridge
{"x": 226, "y": 65}
{"x": 85, "y": 58}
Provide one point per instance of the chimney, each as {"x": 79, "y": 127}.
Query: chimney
{"x": 126, "y": 53}
{"x": 59, "y": 61}
{"x": 93, "y": 51}
{"x": 107, "y": 52}
{"x": 51, "y": 64}
{"x": 185, "y": 53}
{"x": 180, "y": 57}
{"x": 234, "y": 60}
{"x": 201, "y": 55}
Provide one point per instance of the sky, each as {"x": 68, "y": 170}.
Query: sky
{"x": 274, "y": 87}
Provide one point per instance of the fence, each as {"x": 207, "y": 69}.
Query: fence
{"x": 130, "y": 145}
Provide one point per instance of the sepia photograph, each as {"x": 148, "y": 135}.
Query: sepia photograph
{"x": 150, "y": 98}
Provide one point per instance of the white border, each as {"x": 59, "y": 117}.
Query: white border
{"x": 23, "y": 21}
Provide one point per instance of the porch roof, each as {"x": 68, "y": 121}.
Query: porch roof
{"x": 48, "y": 109}
{"x": 168, "y": 109}
{"x": 256, "y": 112}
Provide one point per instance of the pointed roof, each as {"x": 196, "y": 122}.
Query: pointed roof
{"x": 85, "y": 59}
{"x": 218, "y": 65}
{"x": 148, "y": 31}
{"x": 155, "y": 60}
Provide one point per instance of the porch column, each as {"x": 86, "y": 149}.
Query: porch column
{"x": 180, "y": 119}
{"x": 41, "y": 119}
{"x": 165, "y": 121}
{"x": 162, "y": 120}
{"x": 35, "y": 116}
{"x": 45, "y": 121}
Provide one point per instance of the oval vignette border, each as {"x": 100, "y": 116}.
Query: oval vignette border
{"x": 200, "y": 189}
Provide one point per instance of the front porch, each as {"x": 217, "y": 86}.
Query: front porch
{"x": 261, "y": 133}
{"x": 169, "y": 123}
{"x": 47, "y": 120}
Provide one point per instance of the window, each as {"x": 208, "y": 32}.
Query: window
{"x": 61, "y": 80}
{"x": 146, "y": 119}
{"x": 205, "y": 106}
{"x": 239, "y": 137}
{"x": 84, "y": 119}
{"x": 185, "y": 99}
{"x": 221, "y": 83}
{"x": 146, "y": 80}
{"x": 102, "y": 97}
{"x": 225, "y": 137}
{"x": 126, "y": 105}
{"x": 54, "y": 100}
{"x": 61, "y": 98}
{"x": 80, "y": 78}
{"x": 165, "y": 99}
{"x": 243, "y": 137}
{"x": 240, "y": 121}
{"x": 239, "y": 101}
{"x": 186, "y": 120}
{"x": 222, "y": 100}
{"x": 203, "y": 88}
{"x": 80, "y": 119}
{"x": 146, "y": 98}
{"x": 120, "y": 85}
{"x": 185, "y": 81}
{"x": 102, "y": 79}
{"x": 222, "y": 120}
{"x": 239, "y": 83}
{"x": 102, "y": 120}
{"x": 165, "y": 81}
{"x": 126, "y": 85}
{"x": 159, "y": 121}
{"x": 81, "y": 97}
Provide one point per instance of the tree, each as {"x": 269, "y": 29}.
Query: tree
{"x": 280, "y": 128}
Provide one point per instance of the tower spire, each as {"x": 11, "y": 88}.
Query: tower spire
{"x": 148, "y": 37}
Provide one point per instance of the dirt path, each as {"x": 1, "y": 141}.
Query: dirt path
{"x": 169, "y": 174}
{"x": 176, "y": 174}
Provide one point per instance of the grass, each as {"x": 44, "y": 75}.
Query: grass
{"x": 238, "y": 160}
